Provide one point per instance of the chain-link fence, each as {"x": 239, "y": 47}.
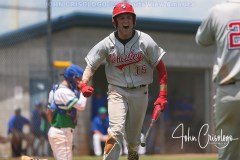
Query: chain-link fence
{"x": 24, "y": 73}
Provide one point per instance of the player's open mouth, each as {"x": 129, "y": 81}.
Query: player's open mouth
{"x": 125, "y": 27}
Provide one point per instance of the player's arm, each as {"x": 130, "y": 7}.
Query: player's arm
{"x": 51, "y": 107}
{"x": 153, "y": 51}
{"x": 10, "y": 125}
{"x": 94, "y": 59}
{"x": 161, "y": 102}
{"x": 49, "y": 115}
{"x": 205, "y": 34}
{"x": 95, "y": 127}
{"x": 81, "y": 103}
{"x": 83, "y": 85}
{"x": 88, "y": 74}
{"x": 4, "y": 139}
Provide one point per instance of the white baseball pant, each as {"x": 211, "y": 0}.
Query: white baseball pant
{"x": 127, "y": 109}
{"x": 227, "y": 119}
{"x": 61, "y": 142}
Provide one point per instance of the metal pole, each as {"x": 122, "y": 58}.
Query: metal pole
{"x": 208, "y": 108}
{"x": 16, "y": 24}
{"x": 49, "y": 43}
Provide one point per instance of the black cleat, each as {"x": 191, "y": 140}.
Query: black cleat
{"x": 133, "y": 156}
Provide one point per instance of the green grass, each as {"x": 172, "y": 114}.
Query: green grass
{"x": 157, "y": 157}
{"x": 154, "y": 157}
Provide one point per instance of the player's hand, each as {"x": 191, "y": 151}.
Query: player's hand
{"x": 85, "y": 89}
{"x": 161, "y": 102}
{"x": 159, "y": 106}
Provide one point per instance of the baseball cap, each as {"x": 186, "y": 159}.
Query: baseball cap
{"x": 17, "y": 108}
{"x": 102, "y": 110}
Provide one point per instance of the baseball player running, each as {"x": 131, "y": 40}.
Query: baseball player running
{"x": 131, "y": 57}
{"x": 222, "y": 27}
{"x": 64, "y": 100}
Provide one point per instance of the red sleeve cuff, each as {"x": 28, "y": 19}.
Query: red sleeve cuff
{"x": 162, "y": 73}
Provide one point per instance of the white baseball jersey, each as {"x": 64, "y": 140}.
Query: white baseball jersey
{"x": 128, "y": 65}
{"x": 66, "y": 99}
{"x": 222, "y": 27}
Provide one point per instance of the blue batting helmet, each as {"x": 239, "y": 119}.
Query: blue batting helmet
{"x": 73, "y": 71}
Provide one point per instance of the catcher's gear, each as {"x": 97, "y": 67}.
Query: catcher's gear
{"x": 72, "y": 72}
{"x": 62, "y": 108}
{"x": 161, "y": 101}
{"x": 120, "y": 8}
{"x": 54, "y": 106}
{"x": 85, "y": 89}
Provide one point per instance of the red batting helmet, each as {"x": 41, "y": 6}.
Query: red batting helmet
{"x": 123, "y": 7}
